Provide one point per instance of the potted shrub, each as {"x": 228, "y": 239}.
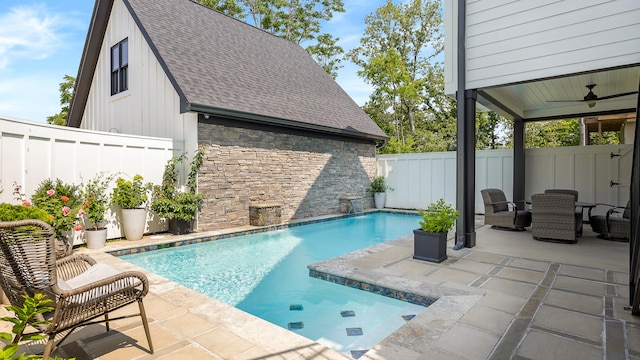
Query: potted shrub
{"x": 178, "y": 204}
{"x": 430, "y": 241}
{"x": 95, "y": 204}
{"x": 64, "y": 205}
{"x": 131, "y": 196}
{"x": 378, "y": 188}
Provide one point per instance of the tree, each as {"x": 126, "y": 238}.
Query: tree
{"x": 491, "y": 130}
{"x": 229, "y": 7}
{"x": 66, "y": 93}
{"x": 396, "y": 56}
{"x": 552, "y": 133}
{"x": 327, "y": 54}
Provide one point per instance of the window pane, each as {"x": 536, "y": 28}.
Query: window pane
{"x": 114, "y": 83}
{"x": 125, "y": 52}
{"x": 124, "y": 78}
{"x": 115, "y": 58}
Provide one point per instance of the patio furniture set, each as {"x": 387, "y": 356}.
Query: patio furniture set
{"x": 556, "y": 215}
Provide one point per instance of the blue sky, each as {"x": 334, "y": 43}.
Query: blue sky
{"x": 41, "y": 41}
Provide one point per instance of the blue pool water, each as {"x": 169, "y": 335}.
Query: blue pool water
{"x": 266, "y": 275}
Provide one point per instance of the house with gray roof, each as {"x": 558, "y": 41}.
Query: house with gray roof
{"x": 275, "y": 126}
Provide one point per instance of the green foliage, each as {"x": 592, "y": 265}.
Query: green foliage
{"x": 96, "y": 199}
{"x": 327, "y": 53}
{"x": 438, "y": 217}
{"x": 490, "y": 131}
{"x": 229, "y": 7}
{"x": 554, "y": 133}
{"x": 66, "y": 93}
{"x": 61, "y": 201}
{"x": 23, "y": 317}
{"x": 130, "y": 194}
{"x": 378, "y": 185}
{"x": 9, "y": 212}
{"x": 396, "y": 56}
{"x": 170, "y": 203}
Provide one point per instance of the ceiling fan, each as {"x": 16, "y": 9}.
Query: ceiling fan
{"x": 591, "y": 98}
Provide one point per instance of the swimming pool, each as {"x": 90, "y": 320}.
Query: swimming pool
{"x": 266, "y": 275}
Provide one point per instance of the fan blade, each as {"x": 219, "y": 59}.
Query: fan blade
{"x": 617, "y": 95}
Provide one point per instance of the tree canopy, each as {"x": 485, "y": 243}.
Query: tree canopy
{"x": 66, "y": 93}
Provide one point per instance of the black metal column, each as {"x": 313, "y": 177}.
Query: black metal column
{"x": 634, "y": 235}
{"x": 466, "y": 172}
{"x": 518, "y": 163}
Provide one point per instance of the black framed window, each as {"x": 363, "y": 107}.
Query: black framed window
{"x": 120, "y": 67}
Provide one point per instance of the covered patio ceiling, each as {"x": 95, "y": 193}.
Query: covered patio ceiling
{"x": 545, "y": 99}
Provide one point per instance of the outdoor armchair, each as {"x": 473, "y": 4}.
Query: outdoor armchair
{"x": 82, "y": 290}
{"x": 554, "y": 217}
{"x": 501, "y": 213}
{"x": 614, "y": 224}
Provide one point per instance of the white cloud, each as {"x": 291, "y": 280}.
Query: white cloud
{"x": 28, "y": 33}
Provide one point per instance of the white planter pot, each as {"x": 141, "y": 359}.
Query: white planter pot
{"x": 379, "y": 199}
{"x": 96, "y": 238}
{"x": 133, "y": 223}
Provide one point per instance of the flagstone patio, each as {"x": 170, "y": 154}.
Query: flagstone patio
{"x": 508, "y": 297}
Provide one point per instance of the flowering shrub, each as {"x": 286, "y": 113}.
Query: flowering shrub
{"x": 62, "y": 202}
{"x": 96, "y": 199}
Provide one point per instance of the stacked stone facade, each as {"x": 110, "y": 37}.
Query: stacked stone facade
{"x": 306, "y": 174}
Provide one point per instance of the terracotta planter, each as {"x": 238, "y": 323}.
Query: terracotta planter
{"x": 133, "y": 223}
{"x": 180, "y": 227}
{"x": 96, "y": 238}
{"x": 379, "y": 199}
{"x": 429, "y": 246}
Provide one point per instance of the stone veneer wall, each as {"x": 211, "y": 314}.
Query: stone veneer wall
{"x": 307, "y": 175}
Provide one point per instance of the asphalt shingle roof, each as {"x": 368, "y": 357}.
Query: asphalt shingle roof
{"x": 219, "y": 62}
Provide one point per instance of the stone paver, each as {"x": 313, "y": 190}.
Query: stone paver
{"x": 569, "y": 322}
{"x": 540, "y": 345}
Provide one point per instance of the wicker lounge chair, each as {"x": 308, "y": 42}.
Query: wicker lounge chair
{"x": 501, "y": 213}
{"x": 579, "y": 209}
{"x": 81, "y": 289}
{"x": 554, "y": 217}
{"x": 614, "y": 224}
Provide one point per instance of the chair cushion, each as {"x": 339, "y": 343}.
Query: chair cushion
{"x": 97, "y": 272}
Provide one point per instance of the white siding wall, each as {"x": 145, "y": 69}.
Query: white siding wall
{"x": 151, "y": 106}
{"x": 420, "y": 179}
{"x": 512, "y": 41}
{"x": 32, "y": 152}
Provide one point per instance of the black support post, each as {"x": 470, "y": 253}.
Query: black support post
{"x": 466, "y": 172}
{"x": 518, "y": 164}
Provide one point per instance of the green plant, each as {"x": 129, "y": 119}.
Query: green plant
{"x": 9, "y": 212}
{"x": 378, "y": 185}
{"x": 438, "y": 217}
{"x": 23, "y": 316}
{"x": 170, "y": 203}
{"x": 130, "y": 194}
{"x": 96, "y": 199}
{"x": 62, "y": 202}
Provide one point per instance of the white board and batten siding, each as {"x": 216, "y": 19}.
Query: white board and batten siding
{"x": 514, "y": 41}
{"x": 32, "y": 152}
{"x": 420, "y": 179}
{"x": 151, "y": 105}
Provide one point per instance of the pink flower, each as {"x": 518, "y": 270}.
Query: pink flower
{"x": 80, "y": 212}
{"x": 66, "y": 210}
{"x": 51, "y": 192}
{"x": 78, "y": 227}
{"x": 26, "y": 203}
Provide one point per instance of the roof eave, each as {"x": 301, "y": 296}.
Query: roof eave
{"x": 286, "y": 123}
{"x": 89, "y": 60}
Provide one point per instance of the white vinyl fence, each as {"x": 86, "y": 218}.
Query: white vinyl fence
{"x": 600, "y": 174}
{"x": 31, "y": 152}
